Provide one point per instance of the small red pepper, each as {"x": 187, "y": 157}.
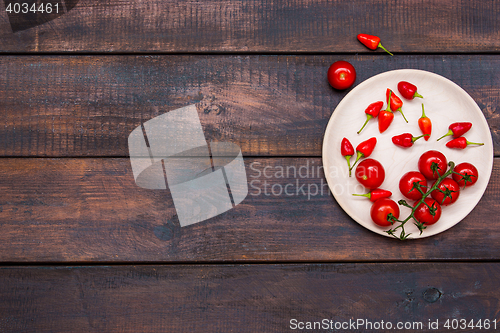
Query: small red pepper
{"x": 395, "y": 102}
{"x": 385, "y": 117}
{"x": 408, "y": 90}
{"x": 371, "y": 42}
{"x": 371, "y": 112}
{"x": 425, "y": 124}
{"x": 375, "y": 194}
{"x": 347, "y": 151}
{"x": 365, "y": 149}
{"x": 461, "y": 143}
{"x": 457, "y": 129}
{"x": 405, "y": 140}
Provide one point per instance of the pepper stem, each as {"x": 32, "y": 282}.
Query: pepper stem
{"x": 423, "y": 112}
{"x": 416, "y": 94}
{"x": 400, "y": 110}
{"x": 368, "y": 117}
{"x": 474, "y": 143}
{"x": 383, "y": 48}
{"x": 368, "y": 195}
{"x": 415, "y": 138}
{"x": 360, "y": 154}
{"x": 450, "y": 132}
{"x": 348, "y": 158}
{"x": 389, "y": 102}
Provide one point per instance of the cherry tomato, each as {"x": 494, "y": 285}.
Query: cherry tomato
{"x": 451, "y": 185}
{"x": 406, "y": 185}
{"x": 381, "y": 208}
{"x": 468, "y": 174}
{"x": 426, "y": 161}
{"x": 341, "y": 75}
{"x": 370, "y": 173}
{"x": 423, "y": 214}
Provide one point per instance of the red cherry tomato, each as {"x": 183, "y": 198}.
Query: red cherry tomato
{"x": 370, "y": 173}
{"x": 381, "y": 208}
{"x": 440, "y": 197}
{"x": 423, "y": 214}
{"x": 406, "y": 185}
{"x": 341, "y": 75}
{"x": 426, "y": 161}
{"x": 468, "y": 174}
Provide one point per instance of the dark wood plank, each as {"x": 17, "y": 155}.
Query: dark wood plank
{"x": 90, "y": 210}
{"x": 268, "y": 105}
{"x": 249, "y": 298}
{"x": 257, "y": 26}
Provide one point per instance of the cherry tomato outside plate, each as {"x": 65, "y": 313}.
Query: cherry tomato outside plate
{"x": 468, "y": 174}
{"x": 381, "y": 209}
{"x": 341, "y": 75}
{"x": 427, "y": 159}
{"x": 406, "y": 185}
{"x": 440, "y": 197}
{"x": 370, "y": 173}
{"x": 423, "y": 214}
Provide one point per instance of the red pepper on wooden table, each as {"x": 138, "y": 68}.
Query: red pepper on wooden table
{"x": 395, "y": 101}
{"x": 457, "y": 129}
{"x": 461, "y": 143}
{"x": 425, "y": 124}
{"x": 365, "y": 149}
{"x": 347, "y": 150}
{"x": 405, "y": 140}
{"x": 408, "y": 90}
{"x": 385, "y": 117}
{"x": 371, "y": 42}
{"x": 372, "y": 111}
{"x": 375, "y": 194}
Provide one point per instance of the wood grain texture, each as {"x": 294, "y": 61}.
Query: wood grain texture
{"x": 268, "y": 105}
{"x": 249, "y": 298}
{"x": 90, "y": 210}
{"x": 263, "y": 26}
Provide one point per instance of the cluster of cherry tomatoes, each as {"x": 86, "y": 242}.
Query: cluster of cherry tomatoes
{"x": 415, "y": 184}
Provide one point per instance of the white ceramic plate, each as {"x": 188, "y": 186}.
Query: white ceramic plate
{"x": 445, "y": 103}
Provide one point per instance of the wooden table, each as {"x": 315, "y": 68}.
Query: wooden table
{"x": 83, "y": 249}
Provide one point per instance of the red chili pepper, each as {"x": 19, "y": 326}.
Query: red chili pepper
{"x": 371, "y": 112}
{"x": 461, "y": 143}
{"x": 405, "y": 140}
{"x": 375, "y": 194}
{"x": 395, "y": 102}
{"x": 347, "y": 151}
{"x": 457, "y": 129}
{"x": 385, "y": 117}
{"x": 425, "y": 124}
{"x": 371, "y": 42}
{"x": 365, "y": 149}
{"x": 408, "y": 90}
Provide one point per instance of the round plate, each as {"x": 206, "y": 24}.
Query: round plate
{"x": 445, "y": 103}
